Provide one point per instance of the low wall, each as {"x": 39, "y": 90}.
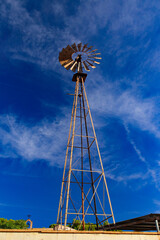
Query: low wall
{"x": 36, "y": 234}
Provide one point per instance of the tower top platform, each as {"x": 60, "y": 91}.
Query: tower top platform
{"x": 80, "y": 75}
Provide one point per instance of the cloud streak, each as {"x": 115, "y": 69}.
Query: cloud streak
{"x": 151, "y": 171}
{"x": 35, "y": 41}
{"x": 42, "y": 141}
{"x": 38, "y": 42}
{"x": 110, "y": 100}
{"x": 112, "y": 17}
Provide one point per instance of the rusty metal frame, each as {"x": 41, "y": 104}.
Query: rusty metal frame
{"x": 80, "y": 97}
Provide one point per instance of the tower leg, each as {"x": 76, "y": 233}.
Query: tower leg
{"x": 89, "y": 154}
{"x": 70, "y": 165}
{"x": 82, "y": 192}
{"x": 98, "y": 153}
{"x": 62, "y": 186}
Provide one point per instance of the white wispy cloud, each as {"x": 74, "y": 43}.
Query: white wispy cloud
{"x": 35, "y": 41}
{"x": 110, "y": 16}
{"x": 108, "y": 99}
{"x": 47, "y": 140}
{"x": 126, "y": 178}
{"x": 44, "y": 140}
{"x": 156, "y": 202}
{"x": 151, "y": 170}
{"x": 138, "y": 152}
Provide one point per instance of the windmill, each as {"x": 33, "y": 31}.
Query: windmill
{"x": 84, "y": 192}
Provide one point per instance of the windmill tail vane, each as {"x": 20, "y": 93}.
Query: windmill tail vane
{"x": 84, "y": 192}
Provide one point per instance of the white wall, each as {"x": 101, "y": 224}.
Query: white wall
{"x": 53, "y": 235}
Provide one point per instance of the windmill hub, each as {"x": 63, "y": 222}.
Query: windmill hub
{"x": 82, "y": 56}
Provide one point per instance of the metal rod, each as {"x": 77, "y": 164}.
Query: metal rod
{"x": 82, "y": 191}
{"x": 95, "y": 189}
{"x": 72, "y": 203}
{"x": 78, "y": 147}
{"x": 86, "y": 198}
{"x": 98, "y": 177}
{"x": 83, "y": 136}
{"x": 87, "y": 170}
{"x": 106, "y": 218}
{"x": 69, "y": 175}
{"x": 157, "y": 225}
{"x": 76, "y": 182}
{"x": 89, "y": 154}
{"x": 60, "y": 201}
{"x": 98, "y": 152}
{"x": 88, "y": 214}
{"x": 100, "y": 203}
{"x": 92, "y": 143}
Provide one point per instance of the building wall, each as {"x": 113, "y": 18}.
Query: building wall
{"x": 70, "y": 235}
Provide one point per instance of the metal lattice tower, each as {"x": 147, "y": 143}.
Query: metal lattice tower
{"x": 84, "y": 191}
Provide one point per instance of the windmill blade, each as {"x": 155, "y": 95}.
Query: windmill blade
{"x": 69, "y": 64}
{"x": 93, "y": 51}
{"x": 93, "y": 58}
{"x": 79, "y": 46}
{"x": 85, "y": 46}
{"x": 62, "y": 62}
{"x": 70, "y": 50}
{"x": 74, "y": 68}
{"x": 75, "y": 62}
{"x": 66, "y": 54}
{"x": 94, "y": 54}
{"x": 97, "y": 57}
{"x": 85, "y": 66}
{"x": 65, "y": 62}
{"x": 63, "y": 56}
{"x": 96, "y": 62}
{"x": 90, "y": 56}
{"x": 90, "y": 59}
{"x": 90, "y": 64}
{"x": 88, "y": 49}
{"x": 74, "y": 47}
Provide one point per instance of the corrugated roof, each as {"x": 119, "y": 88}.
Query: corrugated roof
{"x": 144, "y": 223}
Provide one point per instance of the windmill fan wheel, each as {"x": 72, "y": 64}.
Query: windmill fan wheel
{"x": 79, "y": 57}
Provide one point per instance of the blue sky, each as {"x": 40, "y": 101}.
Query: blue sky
{"x": 123, "y": 93}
